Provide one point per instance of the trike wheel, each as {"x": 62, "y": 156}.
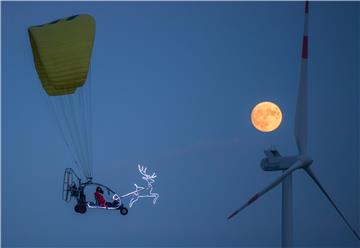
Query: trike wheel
{"x": 124, "y": 211}
{"x": 80, "y": 208}
{"x": 76, "y": 208}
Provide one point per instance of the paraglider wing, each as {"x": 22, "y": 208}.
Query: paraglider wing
{"x": 62, "y": 52}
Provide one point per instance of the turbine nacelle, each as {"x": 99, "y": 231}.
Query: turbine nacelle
{"x": 274, "y": 161}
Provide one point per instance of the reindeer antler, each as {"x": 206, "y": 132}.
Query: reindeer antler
{"x": 142, "y": 171}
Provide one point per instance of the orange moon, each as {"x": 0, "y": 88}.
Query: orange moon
{"x": 266, "y": 116}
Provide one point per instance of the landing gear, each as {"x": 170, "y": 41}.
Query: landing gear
{"x": 80, "y": 207}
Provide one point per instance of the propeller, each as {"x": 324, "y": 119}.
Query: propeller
{"x": 301, "y": 129}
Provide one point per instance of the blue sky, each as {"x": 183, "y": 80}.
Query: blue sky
{"x": 173, "y": 85}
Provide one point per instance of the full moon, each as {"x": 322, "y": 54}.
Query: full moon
{"x": 266, "y": 116}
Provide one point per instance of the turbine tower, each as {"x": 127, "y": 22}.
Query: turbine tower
{"x": 288, "y": 164}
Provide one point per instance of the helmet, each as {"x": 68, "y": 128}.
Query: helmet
{"x": 99, "y": 189}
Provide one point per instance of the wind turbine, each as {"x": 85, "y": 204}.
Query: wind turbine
{"x": 288, "y": 164}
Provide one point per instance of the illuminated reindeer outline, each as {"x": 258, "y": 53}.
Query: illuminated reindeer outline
{"x": 150, "y": 180}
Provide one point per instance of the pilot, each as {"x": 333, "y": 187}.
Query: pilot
{"x": 99, "y": 198}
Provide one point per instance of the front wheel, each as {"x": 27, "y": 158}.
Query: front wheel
{"x": 124, "y": 211}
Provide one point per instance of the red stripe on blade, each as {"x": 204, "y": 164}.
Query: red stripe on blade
{"x": 307, "y": 7}
{"x": 253, "y": 198}
{"x": 305, "y": 48}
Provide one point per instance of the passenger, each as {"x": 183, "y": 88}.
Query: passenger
{"x": 99, "y": 198}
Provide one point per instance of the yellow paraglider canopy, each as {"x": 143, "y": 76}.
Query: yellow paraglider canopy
{"x": 62, "y": 51}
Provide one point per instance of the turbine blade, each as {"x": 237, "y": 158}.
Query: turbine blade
{"x": 312, "y": 175}
{"x": 251, "y": 200}
{"x": 301, "y": 114}
{"x": 298, "y": 164}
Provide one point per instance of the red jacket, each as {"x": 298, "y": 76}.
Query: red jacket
{"x": 100, "y": 199}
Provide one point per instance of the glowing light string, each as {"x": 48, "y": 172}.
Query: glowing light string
{"x": 142, "y": 192}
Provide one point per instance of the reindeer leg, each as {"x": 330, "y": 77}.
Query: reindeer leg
{"x": 156, "y": 196}
{"x": 133, "y": 200}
